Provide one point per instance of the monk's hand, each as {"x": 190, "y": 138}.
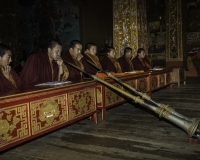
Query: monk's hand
{"x": 79, "y": 57}
{"x": 6, "y": 71}
{"x": 59, "y": 61}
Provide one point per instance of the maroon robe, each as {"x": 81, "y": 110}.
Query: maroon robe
{"x": 145, "y": 59}
{"x": 124, "y": 64}
{"x": 140, "y": 64}
{"x": 88, "y": 67}
{"x": 6, "y": 85}
{"x": 107, "y": 64}
{"x": 37, "y": 69}
{"x": 74, "y": 74}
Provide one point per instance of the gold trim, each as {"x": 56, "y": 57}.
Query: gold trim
{"x": 50, "y": 91}
{"x": 10, "y": 117}
{"x": 174, "y": 36}
{"x": 47, "y": 113}
{"x": 81, "y": 103}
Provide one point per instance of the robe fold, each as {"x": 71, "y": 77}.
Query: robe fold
{"x": 88, "y": 67}
{"x": 38, "y": 69}
{"x": 126, "y": 64}
{"x": 111, "y": 64}
{"x": 12, "y": 84}
{"x": 74, "y": 74}
{"x": 141, "y": 64}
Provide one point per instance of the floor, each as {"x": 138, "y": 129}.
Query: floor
{"x": 130, "y": 132}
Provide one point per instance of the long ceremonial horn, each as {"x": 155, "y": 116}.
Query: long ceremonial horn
{"x": 143, "y": 95}
{"x": 191, "y": 127}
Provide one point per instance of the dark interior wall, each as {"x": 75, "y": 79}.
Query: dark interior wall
{"x": 87, "y": 20}
{"x": 97, "y": 22}
{"x": 41, "y": 20}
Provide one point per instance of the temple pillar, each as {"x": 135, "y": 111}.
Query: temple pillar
{"x": 129, "y": 25}
{"x": 175, "y": 39}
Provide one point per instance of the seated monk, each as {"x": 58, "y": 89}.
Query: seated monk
{"x": 140, "y": 62}
{"x": 125, "y": 61}
{"x": 110, "y": 63}
{"x": 90, "y": 54}
{"x": 9, "y": 79}
{"x": 74, "y": 56}
{"x": 45, "y": 67}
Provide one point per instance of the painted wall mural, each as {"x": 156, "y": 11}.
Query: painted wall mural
{"x": 42, "y": 20}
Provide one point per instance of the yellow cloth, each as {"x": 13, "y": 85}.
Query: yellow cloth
{"x": 94, "y": 59}
{"x": 78, "y": 63}
{"x": 65, "y": 73}
{"x": 129, "y": 63}
{"x": 11, "y": 79}
{"x": 116, "y": 64}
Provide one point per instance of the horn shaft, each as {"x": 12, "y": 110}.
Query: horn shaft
{"x": 143, "y": 95}
{"x": 191, "y": 127}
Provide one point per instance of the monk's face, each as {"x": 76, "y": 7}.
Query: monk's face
{"x": 129, "y": 54}
{"x": 55, "y": 52}
{"x": 141, "y": 54}
{"x": 6, "y": 59}
{"x": 93, "y": 50}
{"x": 112, "y": 53}
{"x": 76, "y": 50}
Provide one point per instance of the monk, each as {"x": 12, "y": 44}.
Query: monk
{"x": 44, "y": 67}
{"x": 74, "y": 56}
{"x": 109, "y": 62}
{"x": 139, "y": 62}
{"x": 125, "y": 61}
{"x": 9, "y": 79}
{"x": 90, "y": 55}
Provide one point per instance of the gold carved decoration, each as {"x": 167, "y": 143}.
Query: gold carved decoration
{"x": 162, "y": 80}
{"x": 154, "y": 82}
{"x": 132, "y": 83}
{"x": 47, "y": 113}
{"x": 129, "y": 25}
{"x": 81, "y": 102}
{"x": 14, "y": 124}
{"x": 6, "y": 129}
{"x": 193, "y": 38}
{"x": 174, "y": 30}
{"x": 142, "y": 85}
{"x": 142, "y": 25}
{"x": 99, "y": 95}
{"x": 112, "y": 97}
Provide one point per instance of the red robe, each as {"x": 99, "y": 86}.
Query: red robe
{"x": 141, "y": 64}
{"x": 74, "y": 74}
{"x": 125, "y": 65}
{"x": 88, "y": 67}
{"x": 108, "y": 65}
{"x": 6, "y": 85}
{"x": 37, "y": 69}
